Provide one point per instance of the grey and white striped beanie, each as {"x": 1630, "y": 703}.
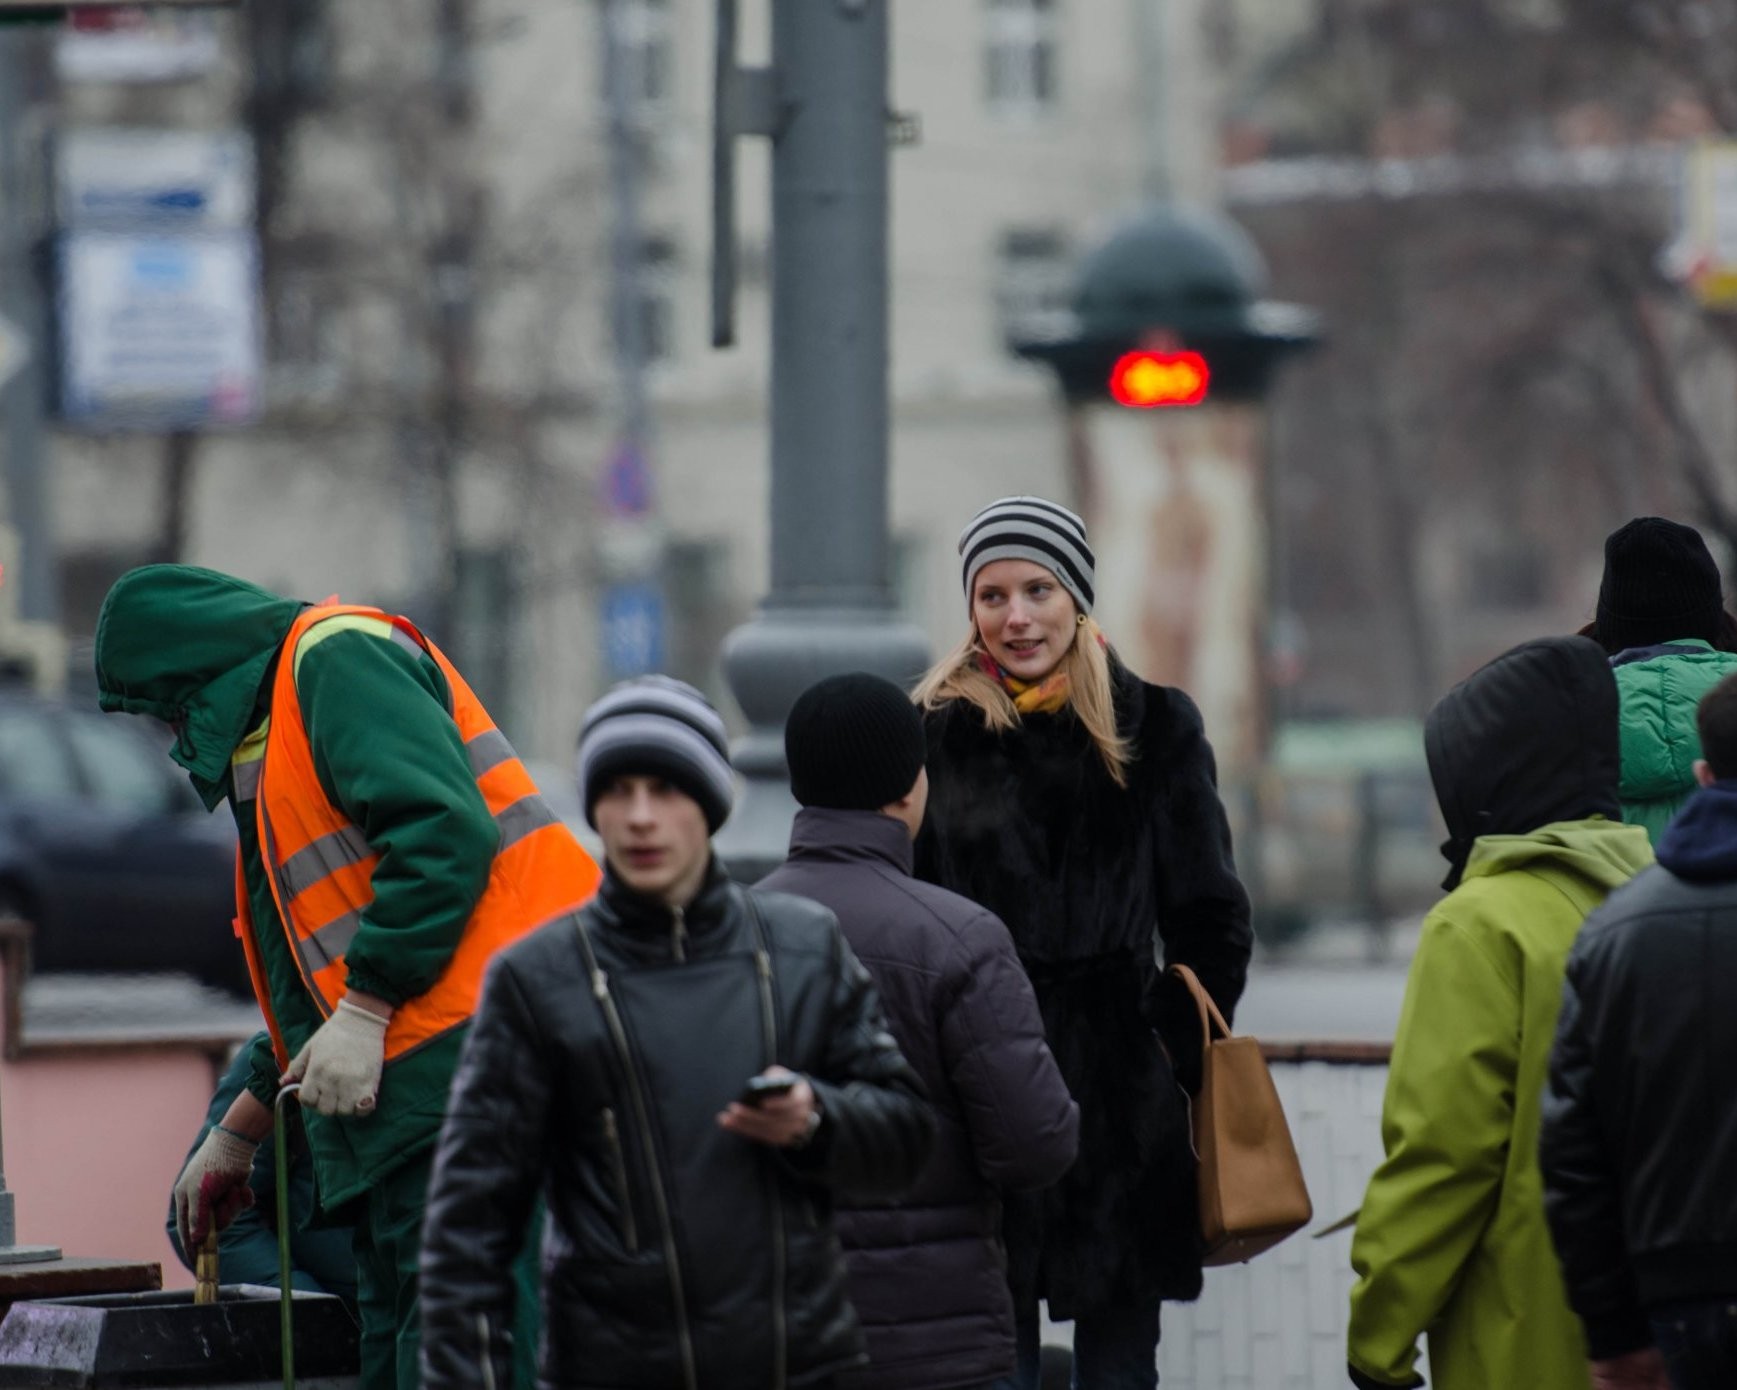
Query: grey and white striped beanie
{"x": 660, "y": 727}
{"x": 1029, "y": 528}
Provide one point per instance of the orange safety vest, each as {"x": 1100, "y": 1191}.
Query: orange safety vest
{"x": 321, "y": 868}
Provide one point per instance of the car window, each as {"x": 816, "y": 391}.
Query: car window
{"x": 123, "y": 772}
{"x": 33, "y": 760}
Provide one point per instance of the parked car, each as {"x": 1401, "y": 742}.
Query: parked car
{"x": 106, "y": 849}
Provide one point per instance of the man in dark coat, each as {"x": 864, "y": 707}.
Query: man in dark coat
{"x": 686, "y": 1071}
{"x": 928, "y": 1276}
{"x": 1640, "y": 1130}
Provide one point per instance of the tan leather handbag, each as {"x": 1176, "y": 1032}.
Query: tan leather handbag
{"x": 1252, "y": 1193}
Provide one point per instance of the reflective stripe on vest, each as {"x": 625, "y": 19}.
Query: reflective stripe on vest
{"x": 320, "y": 865}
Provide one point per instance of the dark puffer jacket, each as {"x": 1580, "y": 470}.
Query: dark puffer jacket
{"x": 676, "y": 1253}
{"x": 928, "y": 1274}
{"x": 1091, "y": 879}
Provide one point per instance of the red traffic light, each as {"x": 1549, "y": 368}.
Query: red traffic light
{"x": 1147, "y": 379}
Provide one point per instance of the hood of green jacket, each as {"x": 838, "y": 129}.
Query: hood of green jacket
{"x": 1604, "y": 853}
{"x": 190, "y": 647}
{"x": 1660, "y": 688}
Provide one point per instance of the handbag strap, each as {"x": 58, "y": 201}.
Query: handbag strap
{"x": 1209, "y": 1014}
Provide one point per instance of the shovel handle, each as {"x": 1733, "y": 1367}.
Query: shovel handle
{"x": 280, "y": 1147}
{"x": 205, "y": 1268}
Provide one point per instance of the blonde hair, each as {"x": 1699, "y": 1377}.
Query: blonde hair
{"x": 959, "y": 675}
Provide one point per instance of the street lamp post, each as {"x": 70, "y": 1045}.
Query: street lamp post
{"x": 823, "y": 103}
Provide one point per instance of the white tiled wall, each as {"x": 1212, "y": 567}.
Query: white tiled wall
{"x": 1278, "y": 1322}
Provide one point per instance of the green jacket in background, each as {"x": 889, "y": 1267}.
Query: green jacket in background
{"x": 1660, "y": 688}
{"x": 197, "y": 648}
{"x": 1451, "y": 1236}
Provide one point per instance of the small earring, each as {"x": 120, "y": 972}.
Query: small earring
{"x": 1081, "y": 620}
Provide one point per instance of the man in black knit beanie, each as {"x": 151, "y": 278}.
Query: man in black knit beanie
{"x": 931, "y": 1292}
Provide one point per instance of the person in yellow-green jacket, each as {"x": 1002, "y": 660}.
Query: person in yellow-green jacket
{"x": 1451, "y": 1239}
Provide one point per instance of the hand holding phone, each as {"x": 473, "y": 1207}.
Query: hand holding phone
{"x": 760, "y": 1088}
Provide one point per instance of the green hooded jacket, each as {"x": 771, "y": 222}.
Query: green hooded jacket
{"x": 197, "y": 649}
{"x": 1660, "y": 688}
{"x": 1451, "y": 1236}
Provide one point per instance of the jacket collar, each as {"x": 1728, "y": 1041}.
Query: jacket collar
{"x": 829, "y": 836}
{"x": 640, "y": 916}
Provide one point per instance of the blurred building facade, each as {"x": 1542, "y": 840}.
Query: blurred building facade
{"x": 441, "y": 399}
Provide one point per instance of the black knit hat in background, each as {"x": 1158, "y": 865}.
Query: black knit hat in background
{"x": 657, "y": 726}
{"x": 854, "y": 743}
{"x": 1660, "y": 584}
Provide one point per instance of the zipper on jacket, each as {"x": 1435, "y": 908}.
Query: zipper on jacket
{"x": 606, "y": 1001}
{"x": 780, "y": 1256}
{"x": 612, "y": 1133}
{"x": 487, "y": 1364}
{"x": 678, "y": 934}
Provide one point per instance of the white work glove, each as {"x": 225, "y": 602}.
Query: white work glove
{"x": 340, "y": 1067}
{"x": 213, "y": 1186}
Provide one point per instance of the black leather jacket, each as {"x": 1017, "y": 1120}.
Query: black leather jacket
{"x": 676, "y": 1253}
{"x": 1639, "y": 1134}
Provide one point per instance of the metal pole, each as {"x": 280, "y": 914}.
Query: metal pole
{"x": 830, "y": 608}
{"x": 626, "y": 234}
{"x": 21, "y": 302}
{"x": 21, "y": 406}
{"x": 1151, "y": 18}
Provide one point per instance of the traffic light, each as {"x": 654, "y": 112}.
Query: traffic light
{"x": 1149, "y": 378}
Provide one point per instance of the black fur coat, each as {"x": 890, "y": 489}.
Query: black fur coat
{"x": 1094, "y": 880}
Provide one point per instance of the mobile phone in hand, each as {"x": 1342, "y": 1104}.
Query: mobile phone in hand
{"x": 759, "y": 1088}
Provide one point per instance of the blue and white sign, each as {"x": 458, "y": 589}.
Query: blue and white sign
{"x": 159, "y": 332}
{"x": 632, "y": 616}
{"x": 131, "y": 177}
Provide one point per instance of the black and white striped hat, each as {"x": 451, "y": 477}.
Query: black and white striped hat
{"x": 1029, "y": 528}
{"x": 657, "y": 726}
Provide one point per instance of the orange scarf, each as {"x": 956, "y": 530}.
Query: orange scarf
{"x": 1035, "y": 697}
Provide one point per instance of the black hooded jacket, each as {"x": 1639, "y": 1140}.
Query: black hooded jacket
{"x": 1640, "y": 1132}
{"x": 677, "y": 1254}
{"x": 1551, "y": 705}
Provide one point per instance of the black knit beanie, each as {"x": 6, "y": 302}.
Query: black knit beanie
{"x": 1660, "y": 584}
{"x": 854, "y": 743}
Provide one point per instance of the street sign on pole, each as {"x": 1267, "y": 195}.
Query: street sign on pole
{"x": 14, "y": 350}
{"x": 632, "y": 616}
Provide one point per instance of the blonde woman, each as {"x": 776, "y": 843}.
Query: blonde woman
{"x": 1080, "y": 805}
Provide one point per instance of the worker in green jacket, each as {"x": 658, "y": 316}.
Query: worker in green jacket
{"x": 1662, "y": 621}
{"x": 1451, "y": 1238}
{"x": 348, "y": 741}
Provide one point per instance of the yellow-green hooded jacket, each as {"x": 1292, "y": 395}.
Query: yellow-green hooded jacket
{"x": 1451, "y": 1238}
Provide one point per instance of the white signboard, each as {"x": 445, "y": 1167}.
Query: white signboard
{"x": 136, "y": 45}
{"x": 159, "y": 332}
{"x": 130, "y": 177}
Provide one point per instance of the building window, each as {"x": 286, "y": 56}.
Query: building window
{"x": 1020, "y": 56}
{"x": 484, "y": 588}
{"x": 657, "y": 268}
{"x": 645, "y": 45}
{"x": 1033, "y": 284}
{"x": 703, "y": 606}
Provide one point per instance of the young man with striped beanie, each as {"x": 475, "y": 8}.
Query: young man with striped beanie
{"x": 684, "y": 1071}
